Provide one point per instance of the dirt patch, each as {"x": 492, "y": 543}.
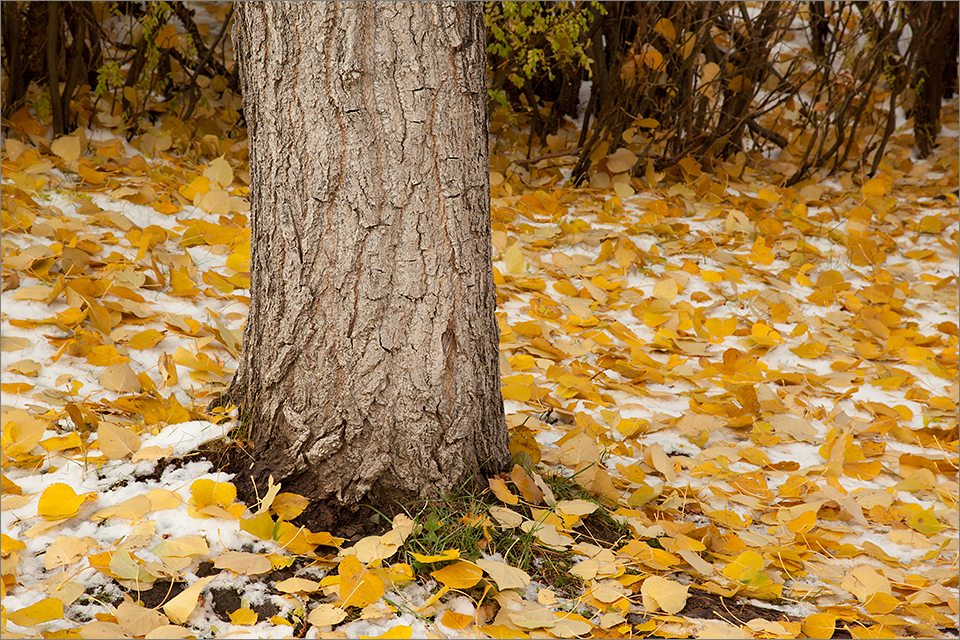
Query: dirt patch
{"x": 708, "y": 606}
{"x": 162, "y": 591}
{"x": 227, "y": 600}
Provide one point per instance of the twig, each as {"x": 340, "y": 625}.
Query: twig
{"x": 555, "y": 154}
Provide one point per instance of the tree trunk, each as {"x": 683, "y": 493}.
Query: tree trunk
{"x": 370, "y": 365}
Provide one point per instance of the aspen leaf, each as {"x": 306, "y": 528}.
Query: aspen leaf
{"x": 358, "y": 587}
{"x": 132, "y": 509}
{"x": 876, "y": 186}
{"x": 665, "y": 28}
{"x": 621, "y": 160}
{"x": 514, "y": 259}
{"x": 326, "y": 615}
{"x": 179, "y": 608}
{"x": 146, "y": 339}
{"x": 863, "y": 582}
{"x": 576, "y": 507}
{"x": 454, "y": 620}
{"x": 219, "y": 172}
{"x": 206, "y": 492}
{"x": 248, "y": 564}
{"x": 459, "y": 575}
{"x": 21, "y": 432}
{"x": 288, "y": 506}
{"x": 182, "y": 546}
{"x": 243, "y": 617}
{"x": 297, "y": 585}
{"x": 67, "y": 147}
{"x": 653, "y": 59}
{"x": 504, "y": 575}
{"x": 120, "y": 378}
{"x": 42, "y": 611}
{"x": 745, "y": 567}
{"x": 64, "y": 551}
{"x": 59, "y": 502}
{"x": 116, "y": 442}
{"x": 666, "y": 289}
{"x": 215, "y": 202}
{"x": 819, "y": 625}
{"x": 528, "y": 488}
{"x": 13, "y": 343}
{"x": 925, "y": 522}
{"x": 506, "y": 517}
{"x": 161, "y": 499}
{"x": 136, "y": 620}
{"x": 666, "y": 595}
{"x": 262, "y": 526}
{"x": 446, "y": 554}
{"x": 499, "y": 488}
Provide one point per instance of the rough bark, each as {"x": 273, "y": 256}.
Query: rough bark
{"x": 369, "y": 369}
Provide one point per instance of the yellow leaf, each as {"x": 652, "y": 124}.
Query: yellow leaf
{"x": 326, "y": 615}
{"x": 59, "y": 502}
{"x": 810, "y": 350}
{"x": 136, "y": 620}
{"x": 120, "y": 378}
{"x": 206, "y": 492}
{"x": 764, "y": 336}
{"x": 454, "y": 620}
{"x": 745, "y": 567}
{"x": 504, "y": 575}
{"x": 195, "y": 187}
{"x": 653, "y": 59}
{"x": 67, "y": 147}
{"x": 446, "y": 554}
{"x": 216, "y": 202}
{"x": 288, "y": 506}
{"x": 21, "y": 432}
{"x": 666, "y": 288}
{"x": 219, "y": 172}
{"x": 167, "y": 38}
{"x": 876, "y": 186}
{"x": 42, "y": 611}
{"x": 243, "y": 617}
{"x": 179, "y": 608}
{"x": 499, "y": 488}
{"x": 864, "y": 581}
{"x": 665, "y": 28}
{"x": 61, "y": 443}
{"x": 459, "y": 575}
{"x": 621, "y": 160}
{"x": 146, "y": 339}
{"x": 819, "y": 625}
{"x": 528, "y": 488}
{"x": 513, "y": 258}
{"x": 666, "y": 595}
{"x": 64, "y": 551}
{"x": 297, "y": 585}
{"x": 261, "y": 526}
{"x": 925, "y": 522}
{"x": 358, "y": 587}
{"x": 181, "y": 284}
{"x": 115, "y": 441}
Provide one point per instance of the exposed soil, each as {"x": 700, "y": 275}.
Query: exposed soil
{"x": 226, "y": 601}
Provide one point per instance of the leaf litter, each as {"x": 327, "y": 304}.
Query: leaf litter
{"x": 756, "y": 386}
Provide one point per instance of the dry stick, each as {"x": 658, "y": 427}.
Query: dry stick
{"x": 555, "y": 154}
{"x": 196, "y": 72}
